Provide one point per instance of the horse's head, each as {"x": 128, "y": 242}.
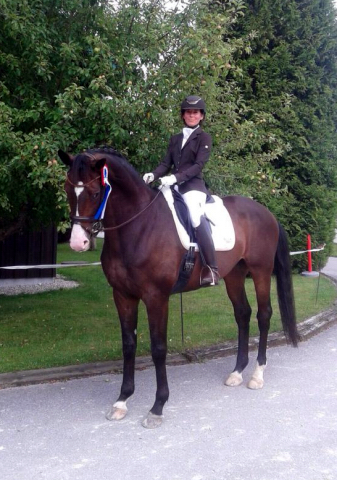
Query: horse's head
{"x": 87, "y": 188}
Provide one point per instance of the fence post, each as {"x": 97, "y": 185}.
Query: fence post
{"x": 309, "y": 272}
{"x": 309, "y": 253}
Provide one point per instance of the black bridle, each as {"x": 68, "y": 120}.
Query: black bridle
{"x": 97, "y": 219}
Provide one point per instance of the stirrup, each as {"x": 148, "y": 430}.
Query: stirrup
{"x": 210, "y": 277}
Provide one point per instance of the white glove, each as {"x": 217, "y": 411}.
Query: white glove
{"x": 169, "y": 180}
{"x": 148, "y": 178}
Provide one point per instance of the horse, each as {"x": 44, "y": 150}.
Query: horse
{"x": 141, "y": 257}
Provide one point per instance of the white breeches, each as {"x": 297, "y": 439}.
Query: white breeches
{"x": 195, "y": 202}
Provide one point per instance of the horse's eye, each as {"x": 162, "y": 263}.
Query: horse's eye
{"x": 95, "y": 195}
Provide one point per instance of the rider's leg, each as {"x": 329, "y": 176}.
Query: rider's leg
{"x": 209, "y": 274}
{"x": 195, "y": 202}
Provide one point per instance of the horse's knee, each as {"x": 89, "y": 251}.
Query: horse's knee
{"x": 242, "y": 309}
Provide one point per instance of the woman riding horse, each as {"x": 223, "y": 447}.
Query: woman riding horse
{"x": 186, "y": 156}
{"x": 141, "y": 263}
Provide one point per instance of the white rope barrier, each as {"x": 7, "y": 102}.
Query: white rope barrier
{"x": 86, "y": 264}
{"x": 58, "y": 265}
{"x": 306, "y": 251}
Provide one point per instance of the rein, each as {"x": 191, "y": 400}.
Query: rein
{"x": 132, "y": 218}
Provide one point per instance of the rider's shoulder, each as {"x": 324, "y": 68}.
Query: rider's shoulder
{"x": 205, "y": 135}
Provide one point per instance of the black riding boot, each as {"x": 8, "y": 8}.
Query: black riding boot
{"x": 209, "y": 274}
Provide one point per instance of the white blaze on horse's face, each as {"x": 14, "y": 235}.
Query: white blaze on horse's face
{"x": 78, "y": 191}
{"x": 79, "y": 240}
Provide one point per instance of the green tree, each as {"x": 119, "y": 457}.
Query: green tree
{"x": 78, "y": 74}
{"x": 290, "y": 75}
{"x": 34, "y": 67}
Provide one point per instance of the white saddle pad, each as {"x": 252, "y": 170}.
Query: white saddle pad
{"x": 220, "y": 221}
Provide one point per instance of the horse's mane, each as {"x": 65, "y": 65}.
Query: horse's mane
{"x": 122, "y": 160}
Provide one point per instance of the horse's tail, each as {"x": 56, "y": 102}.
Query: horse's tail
{"x": 285, "y": 293}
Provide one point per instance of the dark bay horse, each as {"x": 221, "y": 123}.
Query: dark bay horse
{"x": 141, "y": 257}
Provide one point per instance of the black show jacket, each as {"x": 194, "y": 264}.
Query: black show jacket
{"x": 187, "y": 163}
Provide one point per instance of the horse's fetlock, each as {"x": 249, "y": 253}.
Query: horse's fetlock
{"x": 163, "y": 396}
{"x": 127, "y": 392}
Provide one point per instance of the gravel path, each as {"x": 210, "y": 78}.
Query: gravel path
{"x": 56, "y": 284}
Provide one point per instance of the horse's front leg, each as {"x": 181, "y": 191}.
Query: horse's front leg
{"x": 127, "y": 308}
{"x": 157, "y": 310}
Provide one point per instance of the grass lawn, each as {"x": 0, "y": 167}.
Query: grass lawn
{"x": 81, "y": 325}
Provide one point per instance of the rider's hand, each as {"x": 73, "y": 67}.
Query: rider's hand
{"x": 169, "y": 180}
{"x": 148, "y": 178}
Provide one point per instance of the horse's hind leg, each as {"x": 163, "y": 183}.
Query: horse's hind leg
{"x": 128, "y": 312}
{"x": 262, "y": 280}
{"x": 235, "y": 284}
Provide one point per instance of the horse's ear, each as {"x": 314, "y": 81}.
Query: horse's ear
{"x": 65, "y": 157}
{"x": 99, "y": 164}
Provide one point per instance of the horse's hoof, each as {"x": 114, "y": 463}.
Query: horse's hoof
{"x": 152, "y": 421}
{"x": 234, "y": 379}
{"x": 116, "y": 413}
{"x": 255, "y": 383}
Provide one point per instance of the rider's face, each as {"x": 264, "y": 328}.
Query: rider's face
{"x": 192, "y": 117}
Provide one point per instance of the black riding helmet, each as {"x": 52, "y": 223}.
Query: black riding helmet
{"x": 193, "y": 102}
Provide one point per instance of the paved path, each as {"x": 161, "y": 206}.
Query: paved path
{"x": 288, "y": 430}
{"x": 330, "y": 268}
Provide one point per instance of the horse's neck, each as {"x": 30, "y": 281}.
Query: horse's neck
{"x": 129, "y": 194}
{"x": 132, "y": 222}
{"x": 151, "y": 229}
{"x": 126, "y": 182}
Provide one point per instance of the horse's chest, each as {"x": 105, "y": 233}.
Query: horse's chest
{"x": 121, "y": 275}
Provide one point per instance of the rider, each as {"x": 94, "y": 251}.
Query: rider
{"x": 186, "y": 156}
